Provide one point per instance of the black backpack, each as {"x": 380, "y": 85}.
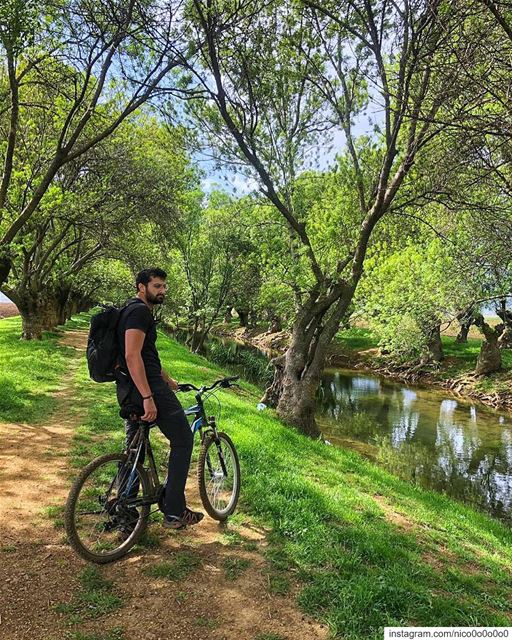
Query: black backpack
{"x": 102, "y": 344}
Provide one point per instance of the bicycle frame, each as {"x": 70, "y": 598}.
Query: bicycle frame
{"x": 200, "y": 421}
{"x": 141, "y": 442}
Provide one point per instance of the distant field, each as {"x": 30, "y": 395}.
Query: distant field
{"x": 8, "y": 309}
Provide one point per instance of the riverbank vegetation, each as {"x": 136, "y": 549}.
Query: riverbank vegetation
{"x": 359, "y": 348}
{"x": 361, "y": 548}
{"x": 375, "y": 185}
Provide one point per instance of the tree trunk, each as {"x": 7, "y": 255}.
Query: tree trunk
{"x": 465, "y": 319}
{"x": 272, "y": 393}
{"x": 31, "y": 308}
{"x": 198, "y": 342}
{"x": 489, "y": 358}
{"x": 275, "y": 324}
{"x": 298, "y": 372}
{"x": 243, "y": 314}
{"x": 505, "y": 340}
{"x": 32, "y": 327}
{"x": 227, "y": 315}
{"x": 297, "y": 403}
{"x": 50, "y": 314}
{"x": 462, "y": 336}
{"x": 62, "y": 298}
{"x": 5, "y": 269}
{"x": 253, "y": 318}
{"x": 435, "y": 346}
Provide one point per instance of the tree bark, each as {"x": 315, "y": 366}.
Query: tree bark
{"x": 243, "y": 314}
{"x": 435, "y": 346}
{"x": 489, "y": 358}
{"x": 198, "y": 343}
{"x": 32, "y": 310}
{"x": 253, "y": 318}
{"x": 462, "y": 336}
{"x": 5, "y": 269}
{"x": 505, "y": 340}
{"x": 272, "y": 393}
{"x": 275, "y": 324}
{"x": 465, "y": 319}
{"x": 227, "y": 315}
{"x": 298, "y": 374}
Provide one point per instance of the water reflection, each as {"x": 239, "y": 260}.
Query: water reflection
{"x": 439, "y": 443}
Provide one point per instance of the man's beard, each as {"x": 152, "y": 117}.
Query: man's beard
{"x": 158, "y": 299}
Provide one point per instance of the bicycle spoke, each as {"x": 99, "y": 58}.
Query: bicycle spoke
{"x": 218, "y": 476}
{"x": 102, "y": 515}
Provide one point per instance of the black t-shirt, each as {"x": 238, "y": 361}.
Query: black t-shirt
{"x": 138, "y": 316}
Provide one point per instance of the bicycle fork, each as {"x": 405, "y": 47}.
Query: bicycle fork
{"x": 219, "y": 451}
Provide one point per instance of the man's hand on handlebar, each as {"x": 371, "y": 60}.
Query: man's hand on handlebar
{"x": 223, "y": 382}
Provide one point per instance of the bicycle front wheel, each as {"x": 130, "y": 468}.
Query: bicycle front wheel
{"x": 105, "y": 512}
{"x": 218, "y": 474}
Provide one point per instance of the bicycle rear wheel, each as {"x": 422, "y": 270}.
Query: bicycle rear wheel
{"x": 104, "y": 514}
{"x": 218, "y": 475}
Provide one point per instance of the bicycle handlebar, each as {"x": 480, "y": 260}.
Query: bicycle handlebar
{"x": 223, "y": 382}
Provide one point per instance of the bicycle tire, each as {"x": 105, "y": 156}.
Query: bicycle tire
{"x": 75, "y": 536}
{"x": 209, "y": 471}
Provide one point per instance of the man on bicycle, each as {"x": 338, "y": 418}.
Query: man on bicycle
{"x": 145, "y": 389}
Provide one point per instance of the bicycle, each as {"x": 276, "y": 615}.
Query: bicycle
{"x": 108, "y": 507}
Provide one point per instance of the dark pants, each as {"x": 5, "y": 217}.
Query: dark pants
{"x": 173, "y": 423}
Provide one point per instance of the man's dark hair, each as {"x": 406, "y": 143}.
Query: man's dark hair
{"x": 144, "y": 276}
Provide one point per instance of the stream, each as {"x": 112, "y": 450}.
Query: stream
{"x": 425, "y": 436}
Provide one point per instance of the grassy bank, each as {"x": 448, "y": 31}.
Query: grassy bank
{"x": 29, "y": 373}
{"x": 358, "y": 347}
{"x": 367, "y": 549}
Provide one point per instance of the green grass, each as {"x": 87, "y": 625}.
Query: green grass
{"x": 235, "y": 567}
{"x": 29, "y": 372}
{"x": 96, "y": 598}
{"x": 467, "y": 352}
{"x": 55, "y": 512}
{"x": 150, "y": 540}
{"x": 179, "y": 568}
{"x": 8, "y": 548}
{"x": 335, "y": 521}
{"x": 207, "y": 623}
{"x": 357, "y": 339}
{"x": 279, "y": 584}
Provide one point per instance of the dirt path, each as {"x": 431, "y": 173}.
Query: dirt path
{"x": 227, "y": 596}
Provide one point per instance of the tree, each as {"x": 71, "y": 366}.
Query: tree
{"x": 83, "y": 68}
{"x": 270, "y": 112}
{"x": 96, "y": 206}
{"x": 212, "y": 247}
